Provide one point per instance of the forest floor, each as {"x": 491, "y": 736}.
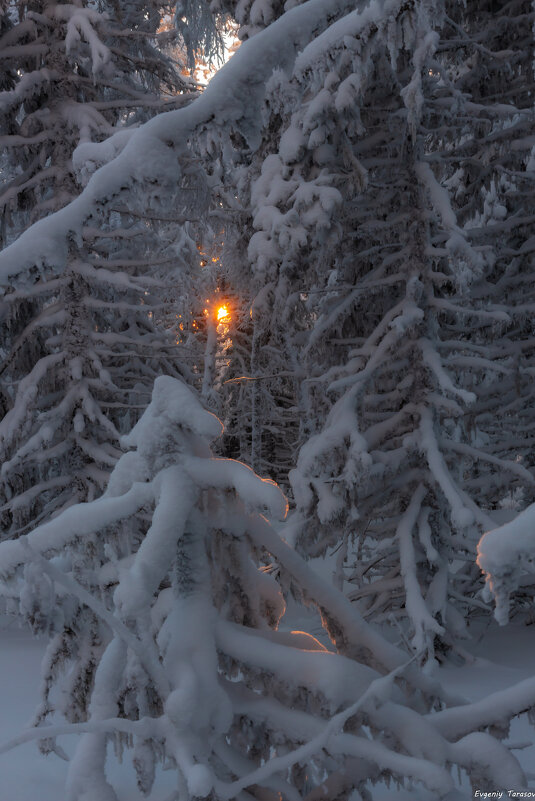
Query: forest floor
{"x": 502, "y": 656}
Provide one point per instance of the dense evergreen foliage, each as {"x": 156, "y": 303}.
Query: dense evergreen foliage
{"x": 330, "y": 247}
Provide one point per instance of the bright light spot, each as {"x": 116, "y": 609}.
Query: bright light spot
{"x": 223, "y": 314}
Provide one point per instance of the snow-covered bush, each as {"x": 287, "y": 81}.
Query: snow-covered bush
{"x": 150, "y": 559}
{"x": 164, "y": 640}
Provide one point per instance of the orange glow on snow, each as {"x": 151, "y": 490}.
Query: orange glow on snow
{"x": 308, "y": 642}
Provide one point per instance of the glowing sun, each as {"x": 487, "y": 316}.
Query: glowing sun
{"x": 223, "y": 314}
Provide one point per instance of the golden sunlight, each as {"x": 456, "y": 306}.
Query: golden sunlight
{"x": 223, "y": 314}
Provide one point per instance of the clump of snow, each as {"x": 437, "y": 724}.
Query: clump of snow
{"x": 200, "y": 781}
{"x": 506, "y": 555}
{"x": 172, "y": 404}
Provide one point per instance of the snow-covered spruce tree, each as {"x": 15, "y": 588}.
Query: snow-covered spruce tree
{"x": 164, "y": 639}
{"x": 491, "y": 187}
{"x": 80, "y": 349}
{"x": 357, "y": 238}
{"x": 80, "y": 373}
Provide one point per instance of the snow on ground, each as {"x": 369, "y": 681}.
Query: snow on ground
{"x": 502, "y": 656}
{"x": 23, "y": 771}
{"x": 25, "y": 774}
